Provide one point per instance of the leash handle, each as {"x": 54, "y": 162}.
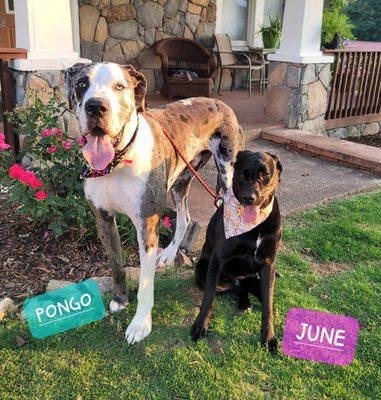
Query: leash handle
{"x": 218, "y": 200}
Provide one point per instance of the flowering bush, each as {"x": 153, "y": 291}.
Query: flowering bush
{"x": 49, "y": 191}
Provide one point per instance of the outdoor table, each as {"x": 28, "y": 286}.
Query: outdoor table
{"x": 7, "y": 54}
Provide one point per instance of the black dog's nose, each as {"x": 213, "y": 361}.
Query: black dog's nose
{"x": 95, "y": 108}
{"x": 248, "y": 201}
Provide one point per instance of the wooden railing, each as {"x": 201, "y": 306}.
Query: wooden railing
{"x": 355, "y": 95}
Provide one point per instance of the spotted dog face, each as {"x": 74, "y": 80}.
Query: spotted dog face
{"x": 256, "y": 177}
{"x": 103, "y": 95}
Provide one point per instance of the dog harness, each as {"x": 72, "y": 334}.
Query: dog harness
{"x": 234, "y": 223}
{"x": 88, "y": 172}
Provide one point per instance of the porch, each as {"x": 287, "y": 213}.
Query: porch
{"x": 249, "y": 111}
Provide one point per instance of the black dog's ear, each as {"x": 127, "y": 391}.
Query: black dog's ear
{"x": 71, "y": 76}
{"x": 241, "y": 155}
{"x": 277, "y": 161}
{"x": 140, "y": 85}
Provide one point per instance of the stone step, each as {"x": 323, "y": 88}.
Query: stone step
{"x": 343, "y": 151}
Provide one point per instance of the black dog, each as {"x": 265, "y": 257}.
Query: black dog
{"x": 233, "y": 263}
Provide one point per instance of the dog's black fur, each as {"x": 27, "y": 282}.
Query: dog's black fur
{"x": 234, "y": 264}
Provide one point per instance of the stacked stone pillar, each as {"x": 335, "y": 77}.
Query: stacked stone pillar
{"x": 297, "y": 94}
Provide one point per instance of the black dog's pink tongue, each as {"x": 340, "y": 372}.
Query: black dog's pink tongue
{"x": 250, "y": 214}
{"x": 98, "y": 151}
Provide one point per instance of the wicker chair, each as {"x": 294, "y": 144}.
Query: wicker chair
{"x": 185, "y": 54}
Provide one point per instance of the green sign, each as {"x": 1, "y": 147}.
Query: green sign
{"x": 63, "y": 309}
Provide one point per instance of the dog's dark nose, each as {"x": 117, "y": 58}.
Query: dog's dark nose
{"x": 248, "y": 201}
{"x": 95, "y": 108}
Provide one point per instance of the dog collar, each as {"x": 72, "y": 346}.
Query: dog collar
{"x": 88, "y": 172}
{"x": 234, "y": 224}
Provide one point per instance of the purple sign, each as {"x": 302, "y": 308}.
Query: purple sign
{"x": 320, "y": 336}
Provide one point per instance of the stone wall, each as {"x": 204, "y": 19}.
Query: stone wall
{"x": 123, "y": 31}
{"x": 297, "y": 95}
{"x": 342, "y": 132}
{"x": 43, "y": 84}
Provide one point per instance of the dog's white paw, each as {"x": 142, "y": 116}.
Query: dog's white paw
{"x": 165, "y": 258}
{"x": 138, "y": 329}
{"x": 116, "y": 306}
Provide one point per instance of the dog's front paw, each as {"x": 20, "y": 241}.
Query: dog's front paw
{"x": 139, "y": 328}
{"x": 199, "y": 329}
{"x": 165, "y": 258}
{"x": 118, "y": 303}
{"x": 272, "y": 345}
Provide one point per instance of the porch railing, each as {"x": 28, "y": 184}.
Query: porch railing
{"x": 355, "y": 95}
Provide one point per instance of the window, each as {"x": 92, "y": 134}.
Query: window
{"x": 234, "y": 18}
{"x": 10, "y": 6}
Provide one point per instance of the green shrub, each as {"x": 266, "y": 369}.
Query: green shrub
{"x": 335, "y": 22}
{"x": 49, "y": 190}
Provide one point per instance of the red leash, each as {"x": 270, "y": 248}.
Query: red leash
{"x": 217, "y": 199}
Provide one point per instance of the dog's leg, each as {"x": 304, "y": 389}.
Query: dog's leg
{"x": 141, "y": 325}
{"x": 108, "y": 233}
{"x": 267, "y": 294}
{"x": 200, "y": 325}
{"x": 223, "y": 156}
{"x": 265, "y": 257}
{"x": 180, "y": 192}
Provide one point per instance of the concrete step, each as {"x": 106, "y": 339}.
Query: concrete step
{"x": 350, "y": 153}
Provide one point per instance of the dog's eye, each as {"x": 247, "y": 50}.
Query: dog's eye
{"x": 82, "y": 84}
{"x": 119, "y": 86}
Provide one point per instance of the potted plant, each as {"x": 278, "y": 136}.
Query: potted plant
{"x": 271, "y": 33}
{"x": 335, "y": 28}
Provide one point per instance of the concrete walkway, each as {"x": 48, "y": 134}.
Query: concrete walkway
{"x": 306, "y": 182}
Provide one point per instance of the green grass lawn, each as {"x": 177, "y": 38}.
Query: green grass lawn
{"x": 331, "y": 261}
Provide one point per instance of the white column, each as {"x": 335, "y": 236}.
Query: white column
{"x": 301, "y": 33}
{"x": 257, "y": 19}
{"x": 44, "y": 29}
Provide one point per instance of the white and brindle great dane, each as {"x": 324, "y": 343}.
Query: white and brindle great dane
{"x": 104, "y": 95}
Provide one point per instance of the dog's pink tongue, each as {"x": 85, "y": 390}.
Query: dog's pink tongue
{"x": 98, "y": 151}
{"x": 250, "y": 214}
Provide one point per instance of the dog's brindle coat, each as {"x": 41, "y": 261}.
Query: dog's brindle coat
{"x": 232, "y": 264}
{"x": 200, "y": 127}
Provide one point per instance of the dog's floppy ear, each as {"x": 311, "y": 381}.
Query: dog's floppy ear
{"x": 71, "y": 76}
{"x": 277, "y": 162}
{"x": 140, "y": 84}
{"x": 241, "y": 155}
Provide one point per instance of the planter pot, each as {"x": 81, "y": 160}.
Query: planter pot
{"x": 270, "y": 40}
{"x": 336, "y": 42}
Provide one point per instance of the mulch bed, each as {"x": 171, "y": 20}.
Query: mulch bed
{"x": 371, "y": 140}
{"x": 30, "y": 257}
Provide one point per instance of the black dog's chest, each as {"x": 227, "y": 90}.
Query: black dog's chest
{"x": 240, "y": 261}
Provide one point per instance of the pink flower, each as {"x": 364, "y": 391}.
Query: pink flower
{"x": 80, "y": 140}
{"x": 46, "y": 133}
{"x": 57, "y": 132}
{"x": 3, "y": 145}
{"x": 41, "y": 195}
{"x": 166, "y": 222}
{"x": 30, "y": 179}
{"x": 52, "y": 149}
{"x": 16, "y": 171}
{"x": 51, "y": 132}
{"x": 66, "y": 144}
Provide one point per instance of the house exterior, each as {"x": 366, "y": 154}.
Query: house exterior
{"x": 123, "y": 31}
{"x": 59, "y": 33}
